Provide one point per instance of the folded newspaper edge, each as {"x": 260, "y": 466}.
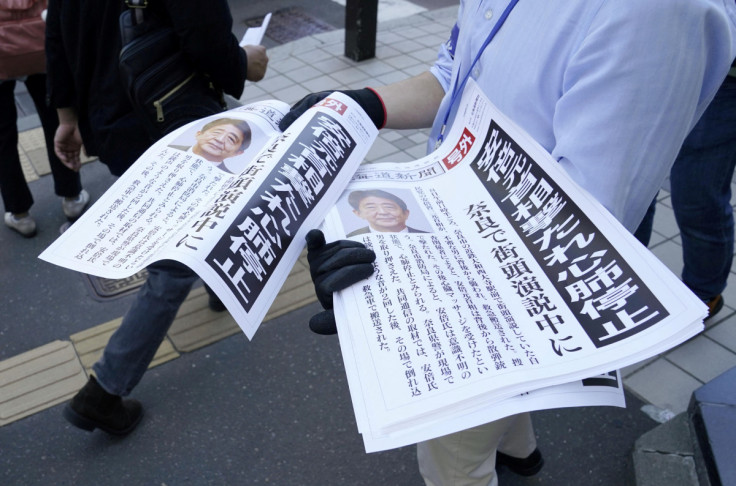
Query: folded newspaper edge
{"x": 511, "y": 279}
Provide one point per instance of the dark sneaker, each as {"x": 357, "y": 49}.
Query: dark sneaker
{"x": 714, "y": 306}
{"x": 92, "y": 407}
{"x": 527, "y": 466}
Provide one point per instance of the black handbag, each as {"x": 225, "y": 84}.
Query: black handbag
{"x": 164, "y": 87}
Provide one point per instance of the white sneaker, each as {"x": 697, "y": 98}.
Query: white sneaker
{"x": 25, "y": 225}
{"x": 73, "y": 208}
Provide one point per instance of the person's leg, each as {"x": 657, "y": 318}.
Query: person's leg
{"x": 16, "y": 195}
{"x": 519, "y": 440}
{"x": 131, "y": 348}
{"x": 99, "y": 404}
{"x": 67, "y": 183}
{"x": 465, "y": 458}
{"x": 701, "y": 193}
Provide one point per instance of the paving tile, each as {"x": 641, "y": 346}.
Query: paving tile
{"x": 419, "y": 136}
{"x": 292, "y": 94}
{"x": 275, "y": 82}
{"x": 389, "y": 37}
{"x": 251, "y": 92}
{"x": 724, "y": 332}
{"x": 401, "y": 62}
{"x": 350, "y": 75}
{"x": 390, "y": 135}
{"x": 402, "y": 157}
{"x": 427, "y": 56}
{"x": 32, "y": 139}
{"x": 28, "y": 170}
{"x": 664, "y": 222}
{"x": 39, "y": 379}
{"x": 375, "y": 67}
{"x": 663, "y": 384}
{"x": 380, "y": 150}
{"x": 419, "y": 151}
{"x": 670, "y": 254}
{"x": 656, "y": 239}
{"x": 40, "y": 160}
{"x": 331, "y": 65}
{"x": 321, "y": 83}
{"x": 384, "y": 52}
{"x": 312, "y": 56}
{"x": 631, "y": 369}
{"x": 702, "y": 357}
{"x": 303, "y": 73}
{"x": 197, "y": 326}
{"x": 90, "y": 343}
{"x": 416, "y": 69}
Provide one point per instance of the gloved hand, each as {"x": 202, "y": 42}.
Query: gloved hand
{"x": 366, "y": 98}
{"x": 334, "y": 266}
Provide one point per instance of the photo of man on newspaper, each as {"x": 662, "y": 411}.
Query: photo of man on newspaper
{"x": 217, "y": 140}
{"x": 385, "y": 212}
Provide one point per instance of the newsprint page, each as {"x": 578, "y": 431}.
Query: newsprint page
{"x": 510, "y": 289}
{"x": 240, "y": 223}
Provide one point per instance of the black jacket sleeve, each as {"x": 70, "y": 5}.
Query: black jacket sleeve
{"x": 60, "y": 81}
{"x": 204, "y": 28}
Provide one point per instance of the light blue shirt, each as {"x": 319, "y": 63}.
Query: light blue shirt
{"x": 609, "y": 88}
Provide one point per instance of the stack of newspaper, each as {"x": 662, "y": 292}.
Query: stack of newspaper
{"x": 506, "y": 288}
{"x": 500, "y": 286}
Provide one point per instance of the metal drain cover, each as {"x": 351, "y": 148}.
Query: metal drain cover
{"x": 108, "y": 288}
{"x": 289, "y": 24}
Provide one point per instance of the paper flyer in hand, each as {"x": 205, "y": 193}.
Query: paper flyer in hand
{"x": 239, "y": 223}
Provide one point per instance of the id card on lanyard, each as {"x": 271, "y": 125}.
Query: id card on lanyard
{"x": 458, "y": 89}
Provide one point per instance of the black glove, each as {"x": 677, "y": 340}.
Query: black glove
{"x": 366, "y": 98}
{"x": 334, "y": 266}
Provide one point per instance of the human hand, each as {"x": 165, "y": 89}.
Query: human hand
{"x": 334, "y": 266}
{"x": 366, "y": 98}
{"x": 257, "y": 62}
{"x": 68, "y": 145}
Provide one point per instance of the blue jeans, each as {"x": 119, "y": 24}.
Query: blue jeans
{"x": 133, "y": 345}
{"x": 701, "y": 194}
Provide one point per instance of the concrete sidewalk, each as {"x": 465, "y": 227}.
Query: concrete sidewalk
{"x": 48, "y": 372}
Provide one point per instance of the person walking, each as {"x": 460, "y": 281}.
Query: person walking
{"x": 83, "y": 45}
{"x": 22, "y": 60}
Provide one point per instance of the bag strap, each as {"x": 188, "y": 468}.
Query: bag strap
{"x": 138, "y": 6}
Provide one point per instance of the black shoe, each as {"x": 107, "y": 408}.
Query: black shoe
{"x": 92, "y": 407}
{"x": 527, "y": 466}
{"x": 714, "y": 306}
{"x": 215, "y": 304}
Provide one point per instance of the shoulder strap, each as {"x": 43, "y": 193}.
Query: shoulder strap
{"x": 137, "y": 6}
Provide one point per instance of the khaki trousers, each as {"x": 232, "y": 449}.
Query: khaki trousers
{"x": 468, "y": 457}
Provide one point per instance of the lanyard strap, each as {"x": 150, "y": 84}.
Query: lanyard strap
{"x": 457, "y": 91}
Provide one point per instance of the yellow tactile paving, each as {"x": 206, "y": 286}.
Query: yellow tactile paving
{"x": 196, "y": 325}
{"x": 38, "y": 379}
{"x": 33, "y": 158}
{"x": 90, "y": 343}
{"x": 51, "y": 374}
{"x": 28, "y": 171}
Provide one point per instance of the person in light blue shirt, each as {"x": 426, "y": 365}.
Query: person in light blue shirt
{"x": 609, "y": 88}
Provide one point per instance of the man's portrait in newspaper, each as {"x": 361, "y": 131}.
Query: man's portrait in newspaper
{"x": 220, "y": 141}
{"x": 383, "y": 211}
